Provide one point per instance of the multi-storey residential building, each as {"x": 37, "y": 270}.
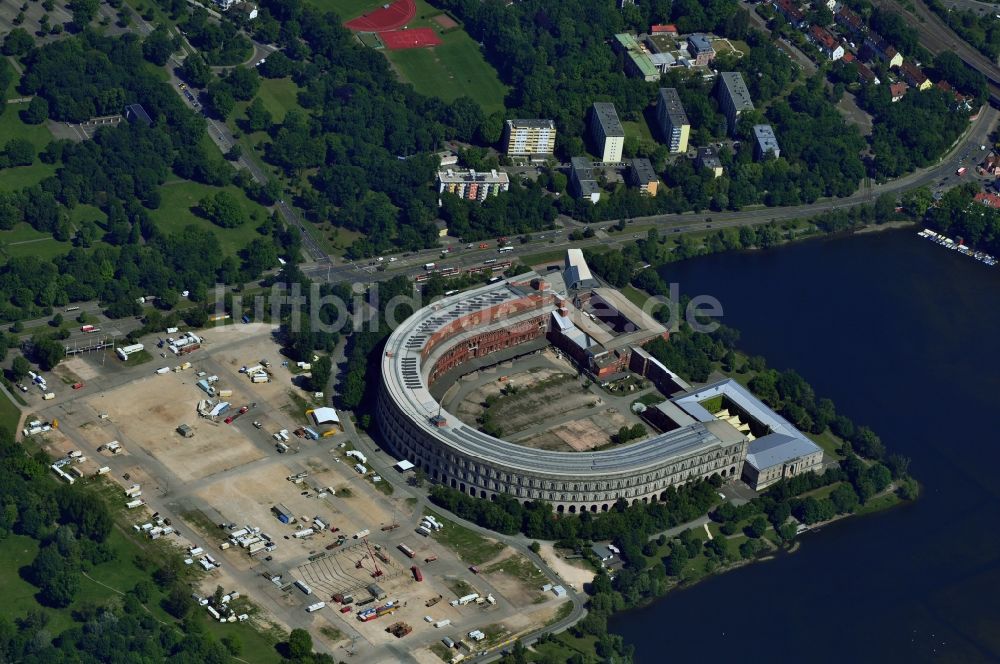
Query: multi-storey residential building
{"x": 530, "y": 137}
{"x": 765, "y": 142}
{"x": 642, "y": 175}
{"x": 472, "y": 185}
{"x": 673, "y": 120}
{"x": 734, "y": 98}
{"x": 582, "y": 182}
{"x": 606, "y": 132}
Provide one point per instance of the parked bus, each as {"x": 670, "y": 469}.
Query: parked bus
{"x": 504, "y": 250}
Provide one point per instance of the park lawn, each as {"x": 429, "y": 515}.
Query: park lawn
{"x": 471, "y": 547}
{"x": 454, "y": 69}
{"x": 258, "y": 646}
{"x": 830, "y": 443}
{"x": 179, "y": 197}
{"x": 10, "y": 415}
{"x": 12, "y": 127}
{"x": 84, "y": 212}
{"x": 23, "y": 240}
{"x": 279, "y": 95}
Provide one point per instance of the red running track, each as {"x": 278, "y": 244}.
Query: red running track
{"x": 392, "y": 17}
{"x": 397, "y": 40}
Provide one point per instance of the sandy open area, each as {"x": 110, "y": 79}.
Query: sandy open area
{"x": 579, "y": 435}
{"x": 146, "y": 413}
{"x": 569, "y": 571}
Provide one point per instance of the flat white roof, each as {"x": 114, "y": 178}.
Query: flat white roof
{"x": 404, "y": 466}
{"x": 326, "y": 415}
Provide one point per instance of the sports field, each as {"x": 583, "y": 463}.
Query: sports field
{"x": 398, "y": 40}
{"x": 454, "y": 69}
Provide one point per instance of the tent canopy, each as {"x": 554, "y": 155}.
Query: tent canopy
{"x": 404, "y": 466}
{"x": 326, "y": 415}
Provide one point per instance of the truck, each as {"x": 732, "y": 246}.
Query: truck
{"x": 362, "y": 533}
{"x": 361, "y": 469}
{"x": 417, "y": 574}
{"x": 260, "y": 378}
{"x": 88, "y": 328}
{"x": 406, "y": 550}
{"x": 442, "y": 623}
{"x": 429, "y": 266}
{"x": 961, "y": 171}
{"x": 49, "y": 396}
{"x": 163, "y": 370}
{"x": 134, "y": 503}
{"x": 305, "y": 532}
{"x": 315, "y": 607}
{"x": 303, "y": 587}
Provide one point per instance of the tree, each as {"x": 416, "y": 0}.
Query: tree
{"x": 83, "y": 12}
{"x": 19, "y": 152}
{"x": 220, "y": 100}
{"x": 19, "y": 369}
{"x": 243, "y": 83}
{"x": 177, "y": 602}
{"x": 300, "y": 644}
{"x": 37, "y": 111}
{"x": 158, "y": 46}
{"x": 196, "y": 71}
{"x": 491, "y": 128}
{"x": 757, "y": 527}
{"x": 258, "y": 117}
{"x": 223, "y": 210}
{"x": 17, "y": 42}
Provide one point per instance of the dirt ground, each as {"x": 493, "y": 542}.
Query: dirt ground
{"x": 534, "y": 401}
{"x": 146, "y": 413}
{"x": 579, "y": 435}
{"x": 76, "y": 366}
{"x": 569, "y": 571}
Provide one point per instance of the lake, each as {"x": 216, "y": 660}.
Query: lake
{"x": 902, "y": 335}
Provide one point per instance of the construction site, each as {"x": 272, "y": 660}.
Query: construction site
{"x": 263, "y": 488}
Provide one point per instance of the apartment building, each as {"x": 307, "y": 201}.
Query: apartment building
{"x": 525, "y": 138}
{"x": 606, "y": 132}
{"x": 472, "y": 185}
{"x": 765, "y": 144}
{"x": 734, "y": 98}
{"x": 673, "y": 120}
{"x": 641, "y": 174}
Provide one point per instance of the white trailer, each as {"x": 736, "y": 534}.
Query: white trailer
{"x": 305, "y": 532}
{"x": 315, "y": 607}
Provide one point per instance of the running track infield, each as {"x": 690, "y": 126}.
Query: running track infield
{"x": 392, "y": 17}
{"x": 397, "y": 40}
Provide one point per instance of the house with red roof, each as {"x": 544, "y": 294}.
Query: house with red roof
{"x": 826, "y": 42}
{"x": 897, "y": 90}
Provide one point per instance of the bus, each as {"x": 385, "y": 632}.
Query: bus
{"x": 68, "y": 309}
{"x": 505, "y": 250}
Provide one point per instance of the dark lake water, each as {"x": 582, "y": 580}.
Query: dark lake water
{"x": 904, "y": 336}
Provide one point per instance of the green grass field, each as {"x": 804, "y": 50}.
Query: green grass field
{"x": 178, "y": 198}
{"x": 449, "y": 71}
{"x": 470, "y": 547}
{"x": 10, "y": 127}
{"x": 454, "y": 69}
{"x": 9, "y": 414}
